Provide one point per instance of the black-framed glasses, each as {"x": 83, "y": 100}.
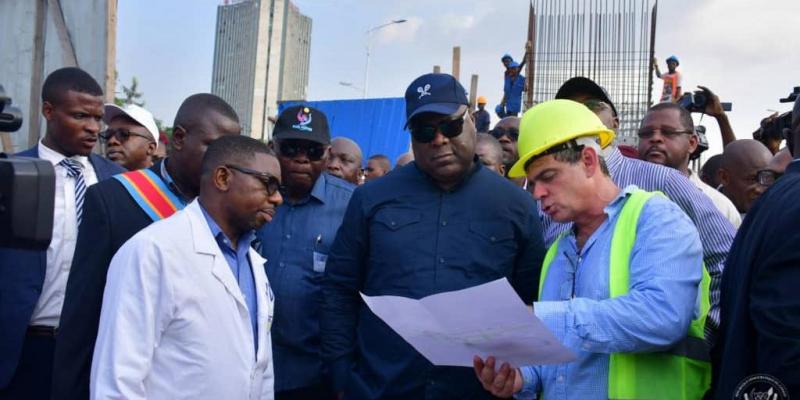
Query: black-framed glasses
{"x": 426, "y": 132}
{"x": 512, "y": 133}
{"x": 767, "y": 177}
{"x": 647, "y": 134}
{"x": 291, "y": 148}
{"x": 271, "y": 183}
{"x": 122, "y": 135}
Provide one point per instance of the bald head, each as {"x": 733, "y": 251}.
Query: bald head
{"x": 508, "y": 122}
{"x": 345, "y": 159}
{"x": 741, "y": 161}
{"x": 490, "y": 153}
{"x": 404, "y": 159}
{"x": 708, "y": 173}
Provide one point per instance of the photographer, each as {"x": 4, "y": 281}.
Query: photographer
{"x": 714, "y": 108}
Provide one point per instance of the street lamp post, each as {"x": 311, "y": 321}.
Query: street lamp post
{"x": 369, "y": 36}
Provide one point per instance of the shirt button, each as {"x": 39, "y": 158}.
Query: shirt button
{"x": 561, "y": 378}
{"x": 392, "y": 223}
{"x": 444, "y": 223}
{"x": 281, "y": 264}
{"x": 288, "y": 236}
{"x": 441, "y": 260}
{"x": 492, "y": 238}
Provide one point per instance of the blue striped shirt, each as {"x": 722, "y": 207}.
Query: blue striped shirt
{"x": 716, "y": 232}
{"x": 665, "y": 272}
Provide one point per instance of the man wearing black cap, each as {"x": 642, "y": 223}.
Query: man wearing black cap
{"x": 716, "y": 232}
{"x": 296, "y": 247}
{"x": 440, "y": 223}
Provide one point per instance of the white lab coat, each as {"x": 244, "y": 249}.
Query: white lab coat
{"x": 174, "y": 324}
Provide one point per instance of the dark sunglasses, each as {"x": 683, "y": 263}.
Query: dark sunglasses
{"x": 270, "y": 182}
{"x": 313, "y": 151}
{"x": 122, "y": 135}
{"x": 512, "y": 133}
{"x": 426, "y": 132}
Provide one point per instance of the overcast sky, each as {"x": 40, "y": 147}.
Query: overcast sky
{"x": 743, "y": 50}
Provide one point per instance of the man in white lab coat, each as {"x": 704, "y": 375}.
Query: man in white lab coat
{"x": 187, "y": 307}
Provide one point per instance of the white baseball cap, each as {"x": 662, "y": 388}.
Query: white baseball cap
{"x": 138, "y": 114}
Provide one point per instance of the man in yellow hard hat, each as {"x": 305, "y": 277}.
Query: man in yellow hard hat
{"x": 620, "y": 289}
{"x": 481, "y": 117}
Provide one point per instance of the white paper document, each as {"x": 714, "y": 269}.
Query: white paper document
{"x": 490, "y": 319}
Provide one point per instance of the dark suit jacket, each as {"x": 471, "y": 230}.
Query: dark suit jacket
{"x": 21, "y": 279}
{"x": 760, "y": 300}
{"x": 111, "y": 218}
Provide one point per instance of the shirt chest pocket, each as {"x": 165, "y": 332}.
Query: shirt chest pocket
{"x": 497, "y": 244}
{"x": 395, "y": 221}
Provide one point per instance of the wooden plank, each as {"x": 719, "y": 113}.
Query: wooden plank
{"x": 473, "y": 92}
{"x": 457, "y": 62}
{"x": 111, "y": 51}
{"x": 34, "y": 108}
{"x": 8, "y": 145}
{"x": 64, "y": 39}
{"x": 437, "y": 69}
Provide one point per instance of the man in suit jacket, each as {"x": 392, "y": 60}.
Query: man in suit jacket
{"x": 32, "y": 282}
{"x": 114, "y": 216}
{"x": 187, "y": 308}
{"x": 760, "y": 330}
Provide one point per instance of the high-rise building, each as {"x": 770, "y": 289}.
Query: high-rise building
{"x": 261, "y": 56}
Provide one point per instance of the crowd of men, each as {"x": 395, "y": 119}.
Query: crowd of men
{"x": 232, "y": 268}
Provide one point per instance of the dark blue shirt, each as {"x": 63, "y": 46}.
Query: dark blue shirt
{"x": 482, "y": 121}
{"x": 295, "y": 245}
{"x": 404, "y": 236}
{"x": 239, "y": 262}
{"x": 512, "y": 88}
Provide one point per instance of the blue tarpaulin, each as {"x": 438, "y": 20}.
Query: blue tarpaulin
{"x": 375, "y": 124}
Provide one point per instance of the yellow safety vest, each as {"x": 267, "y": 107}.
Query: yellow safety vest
{"x": 683, "y": 372}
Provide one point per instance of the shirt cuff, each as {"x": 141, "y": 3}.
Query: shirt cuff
{"x": 530, "y": 384}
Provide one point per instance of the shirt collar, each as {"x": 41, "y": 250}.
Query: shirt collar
{"x": 55, "y": 157}
{"x": 219, "y": 235}
{"x": 615, "y": 206}
{"x": 476, "y": 166}
{"x": 320, "y": 187}
{"x": 170, "y": 182}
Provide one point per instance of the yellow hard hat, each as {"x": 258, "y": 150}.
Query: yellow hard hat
{"x": 481, "y": 100}
{"x": 552, "y": 123}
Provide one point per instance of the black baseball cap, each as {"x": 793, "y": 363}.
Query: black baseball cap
{"x": 436, "y": 93}
{"x": 302, "y": 122}
{"x": 582, "y": 85}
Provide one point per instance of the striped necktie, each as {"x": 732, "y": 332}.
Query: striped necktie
{"x": 75, "y": 170}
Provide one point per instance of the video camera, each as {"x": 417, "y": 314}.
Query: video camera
{"x": 27, "y": 191}
{"x": 697, "y": 101}
{"x": 773, "y": 128}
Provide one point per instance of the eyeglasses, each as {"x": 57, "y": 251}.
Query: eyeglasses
{"x": 767, "y": 177}
{"x": 122, "y": 135}
{"x": 314, "y": 151}
{"x": 665, "y": 133}
{"x": 271, "y": 183}
{"x": 512, "y": 133}
{"x": 425, "y": 133}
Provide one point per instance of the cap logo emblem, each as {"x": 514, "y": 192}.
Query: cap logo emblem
{"x": 424, "y": 91}
{"x": 303, "y": 120}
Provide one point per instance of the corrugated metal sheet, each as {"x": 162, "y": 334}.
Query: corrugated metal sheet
{"x": 375, "y": 124}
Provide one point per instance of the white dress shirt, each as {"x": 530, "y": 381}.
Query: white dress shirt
{"x": 65, "y": 234}
{"x": 723, "y": 204}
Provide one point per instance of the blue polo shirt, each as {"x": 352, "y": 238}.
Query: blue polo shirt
{"x": 404, "y": 236}
{"x": 295, "y": 245}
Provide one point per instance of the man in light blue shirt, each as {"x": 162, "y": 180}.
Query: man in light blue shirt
{"x": 561, "y": 157}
